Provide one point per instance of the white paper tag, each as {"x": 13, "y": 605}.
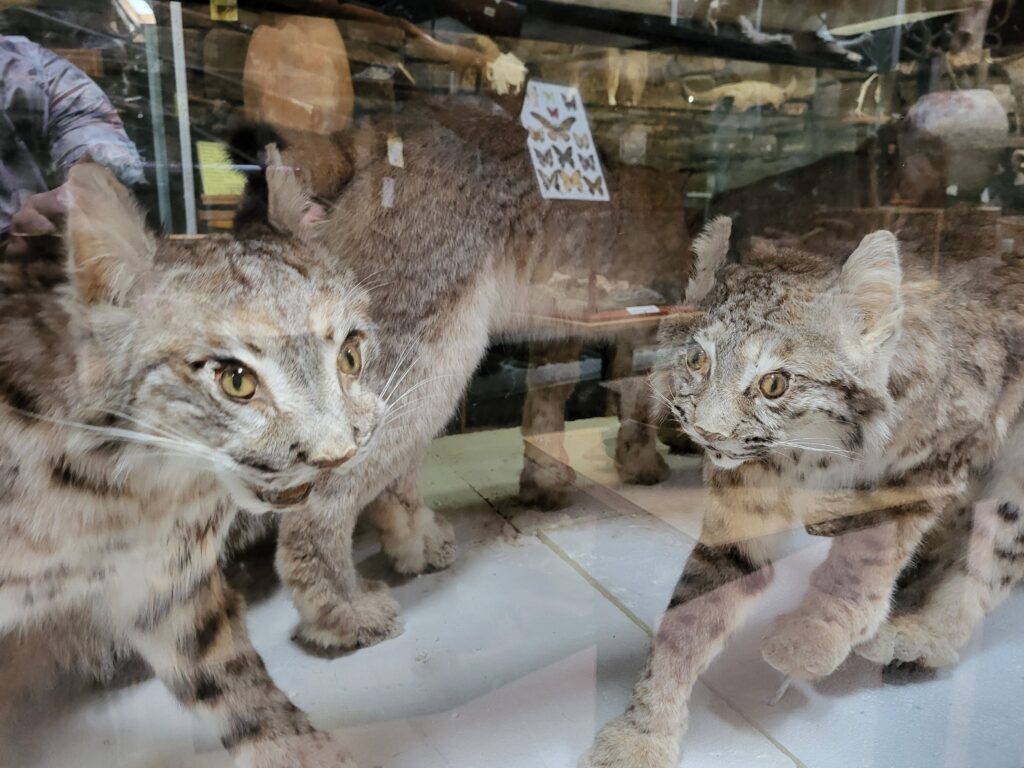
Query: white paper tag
{"x": 560, "y": 144}
{"x": 646, "y": 309}
{"x": 395, "y": 155}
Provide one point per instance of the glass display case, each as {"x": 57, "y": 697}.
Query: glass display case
{"x": 370, "y": 372}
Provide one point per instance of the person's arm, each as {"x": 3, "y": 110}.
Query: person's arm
{"x": 81, "y": 120}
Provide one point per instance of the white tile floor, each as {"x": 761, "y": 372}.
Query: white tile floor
{"x": 512, "y": 658}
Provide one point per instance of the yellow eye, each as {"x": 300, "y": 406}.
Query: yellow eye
{"x": 238, "y": 382}
{"x": 350, "y": 361}
{"x": 774, "y": 385}
{"x": 696, "y": 358}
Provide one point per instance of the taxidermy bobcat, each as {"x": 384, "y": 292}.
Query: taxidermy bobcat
{"x": 147, "y": 388}
{"x": 447, "y": 246}
{"x": 886, "y": 402}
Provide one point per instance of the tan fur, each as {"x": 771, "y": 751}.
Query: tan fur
{"x": 900, "y": 430}
{"x": 745, "y": 94}
{"x": 547, "y": 477}
{"x": 451, "y": 247}
{"x": 711, "y": 248}
{"x": 122, "y": 460}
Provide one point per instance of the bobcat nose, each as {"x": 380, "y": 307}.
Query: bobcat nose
{"x": 330, "y": 462}
{"x": 711, "y": 437}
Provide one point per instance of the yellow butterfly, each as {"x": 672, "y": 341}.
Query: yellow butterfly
{"x": 570, "y": 183}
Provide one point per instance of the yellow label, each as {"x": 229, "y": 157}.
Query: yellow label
{"x": 216, "y": 171}
{"x": 224, "y": 10}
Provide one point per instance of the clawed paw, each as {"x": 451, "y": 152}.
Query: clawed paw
{"x": 546, "y": 484}
{"x": 805, "y": 647}
{"x": 908, "y": 639}
{"x": 546, "y": 498}
{"x": 430, "y": 545}
{"x": 642, "y": 468}
{"x": 370, "y": 618}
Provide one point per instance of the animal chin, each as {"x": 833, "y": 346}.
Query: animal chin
{"x": 289, "y": 497}
{"x": 722, "y": 461}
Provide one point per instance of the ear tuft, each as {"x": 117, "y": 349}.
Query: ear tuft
{"x": 869, "y": 286}
{"x": 710, "y": 247}
{"x": 108, "y": 244}
{"x": 290, "y": 210}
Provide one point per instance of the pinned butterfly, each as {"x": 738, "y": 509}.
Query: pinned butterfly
{"x": 557, "y": 129}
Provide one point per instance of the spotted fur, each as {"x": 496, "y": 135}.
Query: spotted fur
{"x": 451, "y": 248}
{"x": 900, "y": 428}
{"x": 122, "y": 460}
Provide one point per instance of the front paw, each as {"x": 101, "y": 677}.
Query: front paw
{"x": 371, "y": 617}
{"x": 909, "y": 639}
{"x": 546, "y": 483}
{"x": 428, "y": 546}
{"x": 621, "y": 745}
{"x": 648, "y": 468}
{"x": 805, "y": 647}
{"x": 313, "y": 750}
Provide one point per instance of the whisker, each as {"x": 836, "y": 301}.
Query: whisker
{"x": 408, "y": 370}
{"x": 816, "y": 449}
{"x": 396, "y": 401}
{"x": 407, "y": 409}
{"x": 673, "y": 410}
{"x": 164, "y": 430}
{"x": 390, "y": 385}
{"x": 138, "y": 438}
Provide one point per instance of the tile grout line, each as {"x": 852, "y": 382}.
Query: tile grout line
{"x": 589, "y": 578}
{"x": 603, "y": 591}
{"x": 566, "y": 523}
{"x": 775, "y": 742}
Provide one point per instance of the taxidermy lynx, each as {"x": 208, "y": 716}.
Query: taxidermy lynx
{"x": 448, "y": 247}
{"x": 886, "y": 402}
{"x": 147, "y": 388}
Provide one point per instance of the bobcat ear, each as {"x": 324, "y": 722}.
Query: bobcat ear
{"x": 710, "y": 247}
{"x": 869, "y": 286}
{"x": 676, "y": 330}
{"x": 108, "y": 244}
{"x": 289, "y": 208}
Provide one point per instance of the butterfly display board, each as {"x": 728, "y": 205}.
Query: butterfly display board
{"x": 560, "y": 143}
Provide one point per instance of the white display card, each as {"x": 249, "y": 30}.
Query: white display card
{"x": 560, "y": 144}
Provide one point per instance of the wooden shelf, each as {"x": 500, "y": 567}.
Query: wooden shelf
{"x": 603, "y": 323}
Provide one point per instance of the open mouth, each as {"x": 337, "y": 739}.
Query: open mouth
{"x": 289, "y": 497}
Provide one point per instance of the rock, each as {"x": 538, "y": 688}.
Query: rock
{"x": 959, "y": 136}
